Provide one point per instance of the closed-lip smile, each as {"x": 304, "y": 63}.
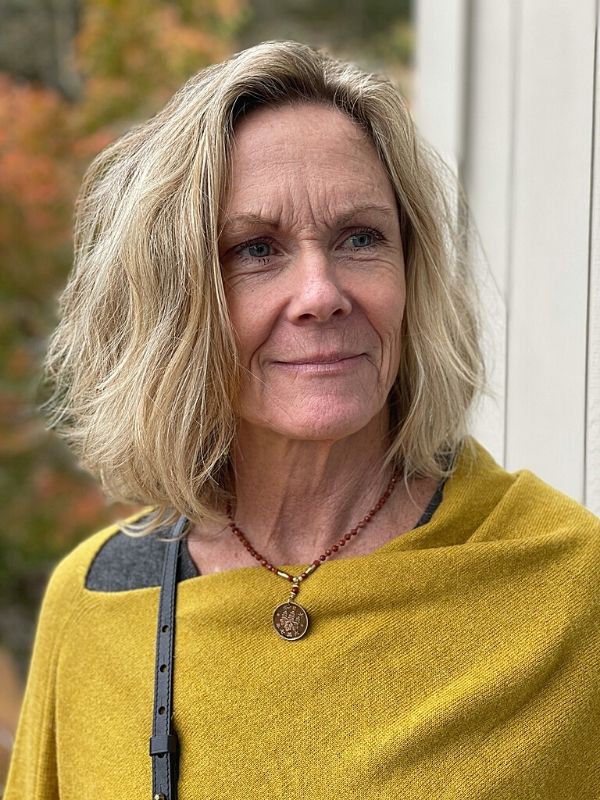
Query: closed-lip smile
{"x": 321, "y": 363}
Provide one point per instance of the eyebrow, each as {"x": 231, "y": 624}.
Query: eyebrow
{"x": 239, "y": 220}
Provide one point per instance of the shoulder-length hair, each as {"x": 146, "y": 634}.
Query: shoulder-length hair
{"x": 143, "y": 362}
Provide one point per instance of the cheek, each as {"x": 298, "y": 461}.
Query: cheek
{"x": 389, "y": 326}
{"x": 387, "y": 313}
{"x": 249, "y": 317}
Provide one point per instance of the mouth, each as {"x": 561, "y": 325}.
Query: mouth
{"x": 322, "y": 362}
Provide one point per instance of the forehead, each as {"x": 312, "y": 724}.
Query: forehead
{"x": 307, "y": 154}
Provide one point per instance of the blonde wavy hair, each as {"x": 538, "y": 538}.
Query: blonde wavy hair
{"x": 143, "y": 364}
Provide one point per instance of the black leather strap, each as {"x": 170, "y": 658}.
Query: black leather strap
{"x": 164, "y": 745}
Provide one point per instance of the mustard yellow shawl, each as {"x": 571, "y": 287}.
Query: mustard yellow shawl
{"x": 459, "y": 661}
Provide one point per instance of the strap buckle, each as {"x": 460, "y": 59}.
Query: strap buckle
{"x": 161, "y": 745}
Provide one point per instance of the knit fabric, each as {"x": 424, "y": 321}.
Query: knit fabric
{"x": 127, "y": 562}
{"x": 459, "y": 661}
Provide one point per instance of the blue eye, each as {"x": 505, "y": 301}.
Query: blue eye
{"x": 360, "y": 240}
{"x": 257, "y": 249}
{"x": 363, "y": 239}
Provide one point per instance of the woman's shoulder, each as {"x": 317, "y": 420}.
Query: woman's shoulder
{"x": 69, "y": 576}
{"x": 520, "y": 503}
{"x": 113, "y": 561}
{"x": 65, "y": 594}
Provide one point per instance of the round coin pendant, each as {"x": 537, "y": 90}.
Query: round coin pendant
{"x": 290, "y": 621}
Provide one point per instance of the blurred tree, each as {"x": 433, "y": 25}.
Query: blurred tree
{"x": 36, "y": 42}
{"x": 75, "y": 78}
{"x": 373, "y": 32}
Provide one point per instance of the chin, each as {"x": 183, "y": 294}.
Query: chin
{"x": 313, "y": 422}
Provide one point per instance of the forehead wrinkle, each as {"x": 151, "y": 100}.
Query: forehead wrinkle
{"x": 341, "y": 218}
{"x": 312, "y": 197}
{"x": 275, "y": 221}
{"x": 292, "y": 206}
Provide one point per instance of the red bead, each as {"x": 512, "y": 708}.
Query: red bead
{"x": 295, "y": 589}
{"x": 334, "y": 549}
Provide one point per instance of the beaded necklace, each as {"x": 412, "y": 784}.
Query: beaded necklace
{"x": 290, "y": 619}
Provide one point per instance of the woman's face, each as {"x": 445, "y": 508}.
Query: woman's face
{"x": 314, "y": 273}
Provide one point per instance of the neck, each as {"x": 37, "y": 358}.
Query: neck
{"x": 294, "y": 498}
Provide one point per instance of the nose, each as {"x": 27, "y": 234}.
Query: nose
{"x": 317, "y": 292}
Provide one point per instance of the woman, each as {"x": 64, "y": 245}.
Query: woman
{"x": 269, "y": 338}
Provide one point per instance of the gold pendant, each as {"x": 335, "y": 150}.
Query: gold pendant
{"x": 290, "y": 621}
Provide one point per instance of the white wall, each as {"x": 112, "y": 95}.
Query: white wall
{"x": 592, "y": 465}
{"x": 506, "y": 92}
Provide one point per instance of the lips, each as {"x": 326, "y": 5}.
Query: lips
{"x": 319, "y": 358}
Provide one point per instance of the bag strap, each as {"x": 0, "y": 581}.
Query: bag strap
{"x": 164, "y": 744}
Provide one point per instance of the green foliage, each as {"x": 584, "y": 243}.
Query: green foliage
{"x": 356, "y": 22}
{"x": 363, "y": 30}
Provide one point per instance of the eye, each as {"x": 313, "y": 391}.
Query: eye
{"x": 258, "y": 248}
{"x": 362, "y": 239}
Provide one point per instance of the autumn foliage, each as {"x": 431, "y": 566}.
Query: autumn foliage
{"x": 128, "y": 58}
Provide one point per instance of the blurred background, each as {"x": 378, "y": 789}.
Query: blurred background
{"x": 507, "y": 92}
